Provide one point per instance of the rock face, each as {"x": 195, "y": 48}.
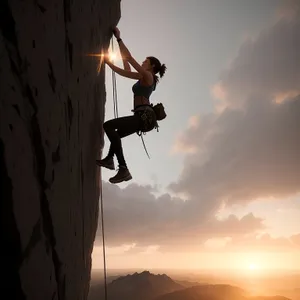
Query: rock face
{"x": 51, "y": 115}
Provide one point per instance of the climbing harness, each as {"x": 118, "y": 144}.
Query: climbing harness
{"x": 145, "y": 115}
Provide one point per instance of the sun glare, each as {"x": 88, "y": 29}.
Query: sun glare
{"x": 112, "y": 56}
{"x": 253, "y": 266}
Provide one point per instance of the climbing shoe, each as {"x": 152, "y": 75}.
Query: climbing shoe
{"x": 122, "y": 175}
{"x": 107, "y": 162}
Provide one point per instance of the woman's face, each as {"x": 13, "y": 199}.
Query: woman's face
{"x": 146, "y": 64}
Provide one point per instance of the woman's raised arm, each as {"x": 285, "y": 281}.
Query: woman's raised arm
{"x": 117, "y": 34}
{"x": 128, "y": 57}
{"x": 122, "y": 72}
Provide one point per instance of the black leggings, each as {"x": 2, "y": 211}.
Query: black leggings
{"x": 118, "y": 128}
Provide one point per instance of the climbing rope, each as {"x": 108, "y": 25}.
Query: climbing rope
{"x": 116, "y": 114}
{"x": 115, "y": 101}
{"x": 103, "y": 240}
{"x": 114, "y": 82}
{"x": 141, "y": 135}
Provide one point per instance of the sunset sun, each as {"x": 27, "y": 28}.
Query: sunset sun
{"x": 253, "y": 266}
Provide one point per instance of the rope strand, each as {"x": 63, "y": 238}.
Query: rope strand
{"x": 103, "y": 239}
{"x": 115, "y": 102}
{"x": 114, "y": 82}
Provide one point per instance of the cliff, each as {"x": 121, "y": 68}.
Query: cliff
{"x": 51, "y": 115}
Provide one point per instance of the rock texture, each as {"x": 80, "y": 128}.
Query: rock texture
{"x": 51, "y": 115}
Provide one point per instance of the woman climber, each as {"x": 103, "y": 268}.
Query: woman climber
{"x": 144, "y": 118}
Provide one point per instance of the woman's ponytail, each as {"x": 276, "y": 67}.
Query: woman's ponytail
{"x": 162, "y": 70}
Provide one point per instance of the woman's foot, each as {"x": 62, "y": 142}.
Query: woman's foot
{"x": 122, "y": 175}
{"x": 107, "y": 162}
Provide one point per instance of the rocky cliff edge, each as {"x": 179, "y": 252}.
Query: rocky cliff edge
{"x": 51, "y": 114}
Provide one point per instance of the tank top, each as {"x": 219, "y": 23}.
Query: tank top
{"x": 141, "y": 90}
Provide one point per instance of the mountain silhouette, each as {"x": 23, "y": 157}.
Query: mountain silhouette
{"x": 144, "y": 285}
{"x": 206, "y": 292}
{"x": 214, "y": 292}
{"x": 148, "y": 286}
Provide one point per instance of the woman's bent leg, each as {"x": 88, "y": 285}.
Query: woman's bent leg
{"x": 115, "y": 130}
{"x": 118, "y": 128}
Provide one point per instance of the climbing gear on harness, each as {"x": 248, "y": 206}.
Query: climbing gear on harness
{"x": 159, "y": 111}
{"x": 147, "y": 116}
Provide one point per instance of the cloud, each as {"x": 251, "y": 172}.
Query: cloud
{"x": 295, "y": 239}
{"x": 246, "y": 155}
{"x": 264, "y": 67}
{"x": 253, "y": 243}
{"x": 288, "y": 9}
{"x": 182, "y": 144}
{"x": 264, "y": 243}
{"x": 250, "y": 149}
{"x": 281, "y": 97}
{"x": 136, "y": 219}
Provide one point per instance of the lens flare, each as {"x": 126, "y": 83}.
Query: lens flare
{"x": 112, "y": 56}
{"x": 100, "y": 61}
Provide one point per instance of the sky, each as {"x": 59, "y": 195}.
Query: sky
{"x": 222, "y": 187}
